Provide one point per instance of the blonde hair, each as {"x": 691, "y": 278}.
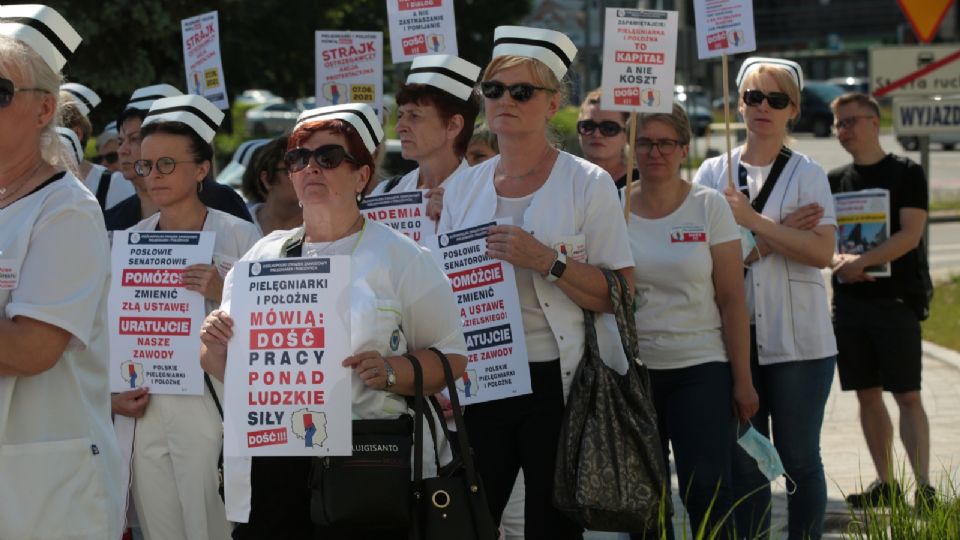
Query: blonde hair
{"x": 542, "y": 75}
{"x": 785, "y": 82}
{"x": 16, "y": 56}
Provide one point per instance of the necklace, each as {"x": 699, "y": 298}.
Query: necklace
{"x": 318, "y": 252}
{"x": 540, "y": 162}
{"x": 6, "y": 192}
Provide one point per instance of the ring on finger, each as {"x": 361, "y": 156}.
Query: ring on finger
{"x": 376, "y": 371}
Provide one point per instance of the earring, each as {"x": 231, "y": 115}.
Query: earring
{"x": 199, "y": 187}
{"x": 359, "y": 198}
{"x": 300, "y": 204}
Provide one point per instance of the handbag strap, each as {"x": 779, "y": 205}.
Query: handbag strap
{"x": 462, "y": 442}
{"x": 778, "y": 164}
{"x": 103, "y": 188}
{"x": 417, "y": 422}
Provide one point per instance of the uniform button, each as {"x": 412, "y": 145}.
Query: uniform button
{"x": 757, "y": 285}
{"x": 567, "y": 373}
{"x": 561, "y": 338}
{"x": 760, "y": 315}
{"x": 546, "y": 304}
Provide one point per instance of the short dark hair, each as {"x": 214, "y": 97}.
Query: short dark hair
{"x": 200, "y": 149}
{"x": 860, "y": 99}
{"x": 264, "y": 158}
{"x": 128, "y": 113}
{"x": 446, "y": 105}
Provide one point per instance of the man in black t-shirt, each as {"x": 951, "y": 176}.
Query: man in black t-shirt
{"x": 877, "y": 319}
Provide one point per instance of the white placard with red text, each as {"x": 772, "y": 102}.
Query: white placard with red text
{"x": 639, "y": 59}
{"x": 724, "y": 27}
{"x": 154, "y": 321}
{"x": 350, "y": 69}
{"x": 201, "y": 58}
{"x": 486, "y": 292}
{"x": 285, "y": 390}
{"x": 420, "y": 27}
{"x": 404, "y": 212}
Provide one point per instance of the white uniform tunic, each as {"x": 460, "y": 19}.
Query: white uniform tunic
{"x": 396, "y": 287}
{"x": 790, "y": 306}
{"x": 577, "y": 207}
{"x": 178, "y": 440}
{"x": 59, "y": 465}
{"x": 120, "y": 188}
{"x": 410, "y": 180}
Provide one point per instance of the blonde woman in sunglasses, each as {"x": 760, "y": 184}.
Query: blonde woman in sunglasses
{"x": 564, "y": 222}
{"x": 793, "y": 349}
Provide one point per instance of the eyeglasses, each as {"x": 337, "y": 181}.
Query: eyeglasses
{"x": 850, "y": 121}
{"x": 520, "y": 92}
{"x": 109, "y": 158}
{"x": 665, "y": 146}
{"x": 776, "y": 100}
{"x": 328, "y": 156}
{"x": 8, "y": 90}
{"x": 608, "y": 128}
{"x": 165, "y": 165}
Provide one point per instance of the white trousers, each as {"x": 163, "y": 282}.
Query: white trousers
{"x": 175, "y": 481}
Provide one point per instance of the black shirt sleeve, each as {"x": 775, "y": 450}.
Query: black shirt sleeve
{"x": 914, "y": 188}
{"x": 223, "y": 198}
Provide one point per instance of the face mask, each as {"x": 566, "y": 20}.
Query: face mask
{"x": 747, "y": 242}
{"x": 762, "y": 450}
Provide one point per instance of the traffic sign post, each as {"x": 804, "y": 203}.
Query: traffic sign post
{"x": 915, "y": 70}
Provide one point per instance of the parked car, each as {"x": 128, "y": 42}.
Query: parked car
{"x": 852, "y": 84}
{"x": 696, "y": 105}
{"x": 257, "y": 97}
{"x": 948, "y": 141}
{"x": 271, "y": 119}
{"x": 815, "y": 114}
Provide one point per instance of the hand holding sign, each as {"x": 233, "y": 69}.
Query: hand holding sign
{"x": 204, "y": 279}
{"x": 519, "y": 248}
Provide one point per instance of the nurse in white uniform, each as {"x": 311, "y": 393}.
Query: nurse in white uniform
{"x": 566, "y": 223}
{"x": 438, "y": 106}
{"x": 59, "y": 465}
{"x": 400, "y": 303}
{"x": 177, "y": 441}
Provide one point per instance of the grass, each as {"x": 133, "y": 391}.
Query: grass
{"x": 943, "y": 326}
{"x": 901, "y": 520}
{"x": 944, "y": 204}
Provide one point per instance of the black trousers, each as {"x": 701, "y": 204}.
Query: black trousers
{"x": 522, "y": 433}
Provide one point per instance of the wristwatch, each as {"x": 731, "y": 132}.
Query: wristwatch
{"x": 391, "y": 375}
{"x": 558, "y": 267}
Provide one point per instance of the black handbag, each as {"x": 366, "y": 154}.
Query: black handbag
{"x": 610, "y": 473}
{"x": 452, "y": 504}
{"x": 344, "y": 489}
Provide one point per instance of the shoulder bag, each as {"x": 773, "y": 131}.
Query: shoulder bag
{"x": 610, "y": 472}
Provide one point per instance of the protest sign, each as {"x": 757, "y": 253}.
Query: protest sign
{"x": 350, "y": 69}
{"x": 405, "y": 212}
{"x": 486, "y": 292}
{"x": 639, "y": 60}
{"x": 421, "y": 27}
{"x": 201, "y": 58}
{"x": 863, "y": 219}
{"x": 724, "y": 27}
{"x": 285, "y": 392}
{"x": 154, "y": 321}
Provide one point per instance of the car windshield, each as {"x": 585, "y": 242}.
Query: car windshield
{"x": 826, "y": 92}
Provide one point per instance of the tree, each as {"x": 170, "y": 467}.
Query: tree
{"x": 265, "y": 43}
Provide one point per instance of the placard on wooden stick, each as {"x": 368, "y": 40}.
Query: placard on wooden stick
{"x": 639, "y": 67}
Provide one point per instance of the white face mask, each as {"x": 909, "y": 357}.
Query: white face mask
{"x": 762, "y": 450}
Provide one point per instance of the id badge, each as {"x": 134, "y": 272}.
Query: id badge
{"x": 9, "y": 274}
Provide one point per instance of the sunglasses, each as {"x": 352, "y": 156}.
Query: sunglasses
{"x": 776, "y": 100}
{"x": 165, "y": 165}
{"x": 8, "y": 90}
{"x": 328, "y": 156}
{"x": 608, "y": 128}
{"x": 520, "y": 92}
{"x": 109, "y": 158}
